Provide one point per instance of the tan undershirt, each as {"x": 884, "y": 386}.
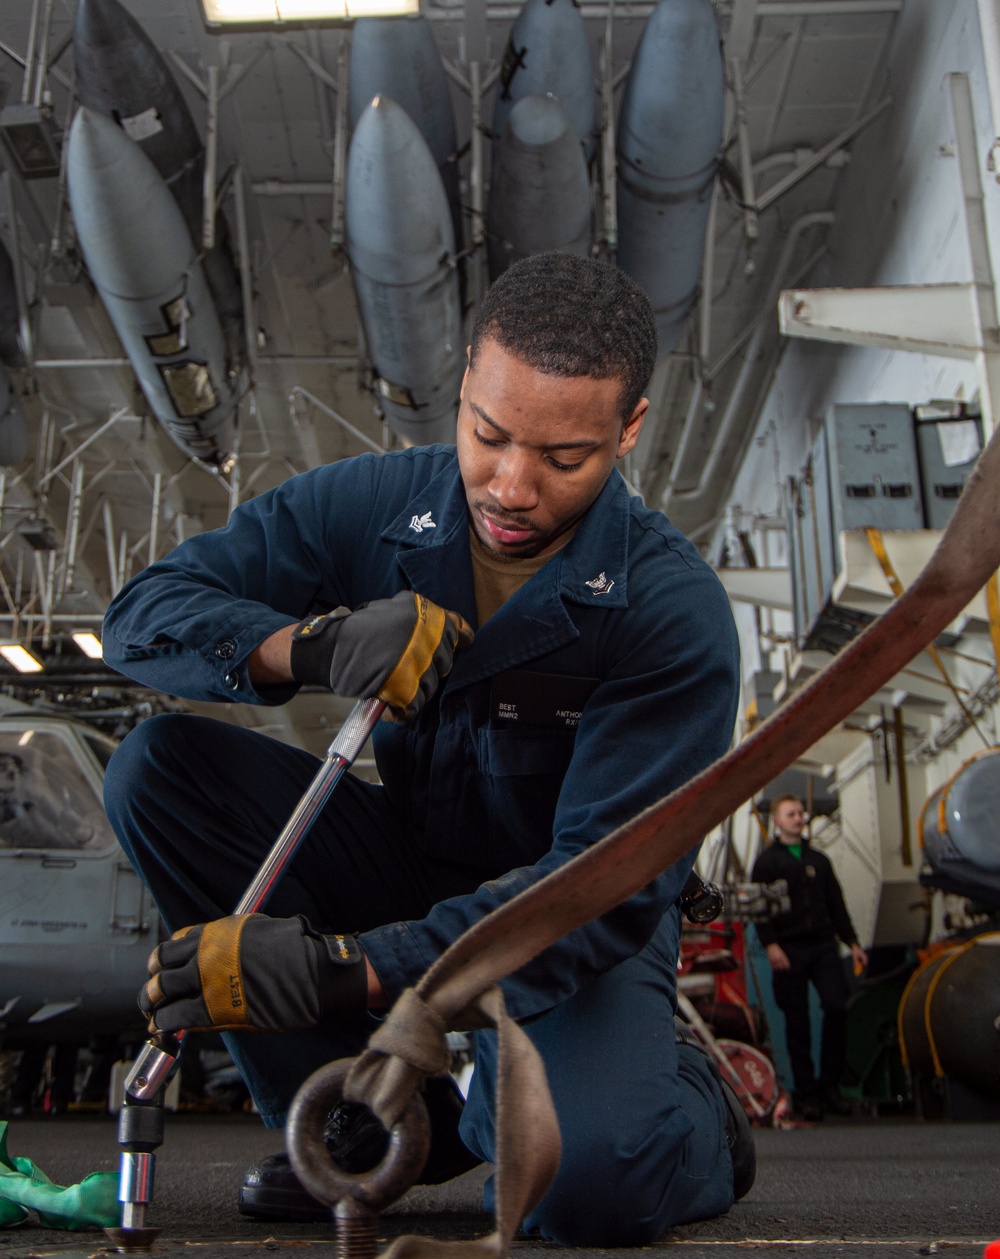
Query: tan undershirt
{"x": 497, "y": 579}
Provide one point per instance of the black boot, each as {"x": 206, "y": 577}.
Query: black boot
{"x": 357, "y": 1142}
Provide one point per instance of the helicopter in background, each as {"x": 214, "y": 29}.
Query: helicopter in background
{"x": 76, "y": 922}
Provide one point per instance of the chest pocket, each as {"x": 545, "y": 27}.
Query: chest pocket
{"x": 523, "y": 770}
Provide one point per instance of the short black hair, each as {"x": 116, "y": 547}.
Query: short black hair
{"x": 572, "y": 316}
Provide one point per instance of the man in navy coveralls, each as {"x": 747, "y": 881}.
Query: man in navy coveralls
{"x": 557, "y": 656}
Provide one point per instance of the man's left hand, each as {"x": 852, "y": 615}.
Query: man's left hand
{"x": 859, "y": 958}
{"x": 253, "y": 973}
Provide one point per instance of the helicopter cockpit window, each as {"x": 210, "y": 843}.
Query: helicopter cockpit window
{"x": 46, "y": 800}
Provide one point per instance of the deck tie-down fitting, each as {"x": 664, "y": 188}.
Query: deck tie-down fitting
{"x": 354, "y": 1200}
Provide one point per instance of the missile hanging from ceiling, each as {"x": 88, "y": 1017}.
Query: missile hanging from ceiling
{"x": 548, "y": 52}
{"x": 669, "y": 143}
{"x": 120, "y": 73}
{"x": 143, "y": 262}
{"x": 398, "y": 57}
{"x": 540, "y": 195}
{"x": 401, "y": 248}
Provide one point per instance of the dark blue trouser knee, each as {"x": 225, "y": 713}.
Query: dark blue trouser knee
{"x": 641, "y": 1117}
{"x": 197, "y": 803}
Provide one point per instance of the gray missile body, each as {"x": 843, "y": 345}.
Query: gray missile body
{"x": 401, "y": 248}
{"x": 669, "y": 140}
{"x": 540, "y": 196}
{"x": 120, "y": 73}
{"x": 144, "y": 265}
{"x": 548, "y": 52}
{"x": 398, "y": 57}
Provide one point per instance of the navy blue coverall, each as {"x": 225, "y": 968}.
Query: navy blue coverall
{"x": 626, "y": 641}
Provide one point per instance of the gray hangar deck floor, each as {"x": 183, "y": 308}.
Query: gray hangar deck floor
{"x": 872, "y": 1189}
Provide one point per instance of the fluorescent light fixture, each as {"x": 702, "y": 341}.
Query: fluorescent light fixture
{"x": 21, "y": 658}
{"x": 260, "y": 14}
{"x": 89, "y": 644}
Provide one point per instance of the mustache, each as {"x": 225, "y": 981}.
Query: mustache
{"x": 503, "y": 518}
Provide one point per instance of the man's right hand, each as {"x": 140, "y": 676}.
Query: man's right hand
{"x": 397, "y": 649}
{"x": 778, "y": 958}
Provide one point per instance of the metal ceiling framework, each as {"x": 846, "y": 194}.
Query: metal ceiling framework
{"x": 804, "y": 78}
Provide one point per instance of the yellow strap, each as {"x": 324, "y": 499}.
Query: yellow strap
{"x": 219, "y": 968}
{"x": 877, "y": 544}
{"x": 402, "y": 684}
{"x": 931, "y": 989}
{"x": 993, "y": 611}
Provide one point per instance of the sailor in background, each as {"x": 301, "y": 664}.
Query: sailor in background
{"x": 802, "y": 947}
{"x": 603, "y": 673}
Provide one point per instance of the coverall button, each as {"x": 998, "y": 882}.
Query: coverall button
{"x": 232, "y": 680}
{"x": 226, "y": 649}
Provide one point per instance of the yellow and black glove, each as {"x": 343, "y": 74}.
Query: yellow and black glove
{"x": 397, "y": 649}
{"x": 253, "y": 973}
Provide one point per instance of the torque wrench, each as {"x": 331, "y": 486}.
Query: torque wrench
{"x": 140, "y": 1126}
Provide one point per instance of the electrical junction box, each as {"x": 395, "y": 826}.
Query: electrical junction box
{"x": 949, "y": 440}
{"x": 862, "y": 472}
{"x": 874, "y": 473}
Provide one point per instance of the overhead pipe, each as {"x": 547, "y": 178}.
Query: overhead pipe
{"x": 29, "y": 57}
{"x": 246, "y": 278}
{"x": 42, "y": 59}
{"x": 341, "y": 133}
{"x": 820, "y": 156}
{"x": 751, "y": 227}
{"x": 734, "y": 404}
{"x": 154, "y": 517}
{"x": 211, "y": 161}
{"x": 109, "y": 546}
{"x": 73, "y": 526}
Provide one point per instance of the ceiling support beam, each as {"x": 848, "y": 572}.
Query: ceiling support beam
{"x": 989, "y": 29}
{"x": 953, "y": 320}
{"x": 761, "y": 587}
{"x": 820, "y": 157}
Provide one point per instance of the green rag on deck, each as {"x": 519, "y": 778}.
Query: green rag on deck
{"x": 93, "y": 1203}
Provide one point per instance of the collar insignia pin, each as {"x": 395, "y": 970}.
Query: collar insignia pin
{"x": 600, "y": 584}
{"x": 419, "y": 523}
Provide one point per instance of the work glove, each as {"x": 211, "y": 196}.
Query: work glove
{"x": 253, "y": 973}
{"x": 397, "y": 649}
